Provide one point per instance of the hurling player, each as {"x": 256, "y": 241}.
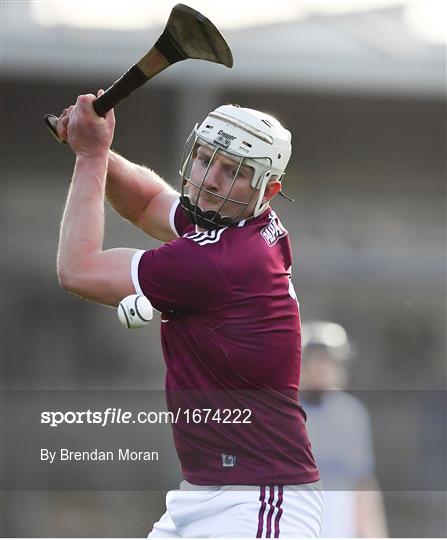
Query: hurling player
{"x": 230, "y": 323}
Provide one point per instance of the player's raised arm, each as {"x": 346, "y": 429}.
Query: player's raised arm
{"x": 82, "y": 266}
{"x": 141, "y": 196}
{"x": 137, "y": 193}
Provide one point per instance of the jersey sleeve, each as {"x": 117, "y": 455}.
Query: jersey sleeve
{"x": 180, "y": 275}
{"x": 178, "y": 220}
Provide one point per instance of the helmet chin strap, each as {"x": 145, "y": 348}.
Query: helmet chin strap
{"x": 209, "y": 219}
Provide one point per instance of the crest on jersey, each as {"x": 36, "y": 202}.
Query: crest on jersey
{"x": 273, "y": 231}
{"x": 228, "y": 460}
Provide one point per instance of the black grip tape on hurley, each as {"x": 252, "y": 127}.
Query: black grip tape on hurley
{"x": 167, "y": 46}
{"x": 125, "y": 85}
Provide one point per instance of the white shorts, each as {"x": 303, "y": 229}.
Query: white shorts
{"x": 242, "y": 512}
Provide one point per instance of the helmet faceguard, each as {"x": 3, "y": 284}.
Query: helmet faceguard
{"x": 248, "y": 138}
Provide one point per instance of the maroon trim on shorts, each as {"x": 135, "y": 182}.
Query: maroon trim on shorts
{"x": 279, "y": 513}
{"x": 271, "y": 510}
{"x": 261, "y": 512}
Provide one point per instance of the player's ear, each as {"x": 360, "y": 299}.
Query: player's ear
{"x": 272, "y": 189}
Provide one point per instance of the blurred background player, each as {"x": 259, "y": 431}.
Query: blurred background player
{"x": 340, "y": 431}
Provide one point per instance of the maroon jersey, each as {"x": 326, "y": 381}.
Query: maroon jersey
{"x": 231, "y": 341}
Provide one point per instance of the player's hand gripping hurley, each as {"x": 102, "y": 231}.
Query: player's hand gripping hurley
{"x": 188, "y": 34}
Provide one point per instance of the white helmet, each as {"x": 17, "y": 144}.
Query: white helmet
{"x": 252, "y": 138}
{"x": 329, "y": 336}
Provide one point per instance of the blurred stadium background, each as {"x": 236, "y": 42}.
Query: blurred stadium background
{"x": 363, "y": 91}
